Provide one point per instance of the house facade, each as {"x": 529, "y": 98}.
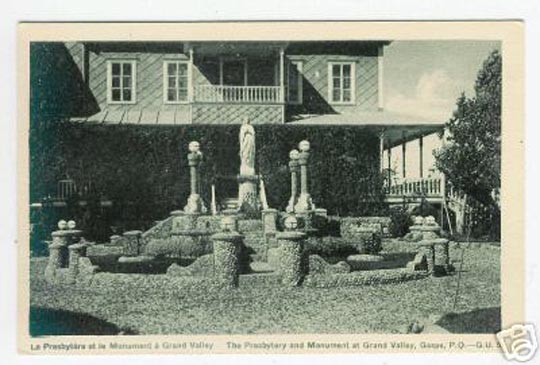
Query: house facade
{"x": 313, "y": 85}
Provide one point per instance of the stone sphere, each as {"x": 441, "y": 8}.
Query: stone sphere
{"x": 304, "y": 146}
{"x": 430, "y": 221}
{"x": 228, "y": 223}
{"x": 294, "y": 154}
{"x": 62, "y": 224}
{"x": 418, "y": 221}
{"x": 290, "y": 223}
{"x": 194, "y": 146}
{"x": 71, "y": 224}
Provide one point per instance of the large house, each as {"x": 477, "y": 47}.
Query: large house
{"x": 182, "y": 84}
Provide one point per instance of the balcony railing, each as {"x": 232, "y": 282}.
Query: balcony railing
{"x": 237, "y": 94}
{"x": 425, "y": 186}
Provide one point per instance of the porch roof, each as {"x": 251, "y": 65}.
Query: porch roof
{"x": 398, "y": 128}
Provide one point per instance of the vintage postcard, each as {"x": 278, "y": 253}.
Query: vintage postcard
{"x": 272, "y": 188}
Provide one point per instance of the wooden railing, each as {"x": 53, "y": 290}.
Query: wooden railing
{"x": 424, "y": 186}
{"x": 237, "y": 94}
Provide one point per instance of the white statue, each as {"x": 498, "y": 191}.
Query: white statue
{"x": 247, "y": 148}
{"x": 248, "y": 199}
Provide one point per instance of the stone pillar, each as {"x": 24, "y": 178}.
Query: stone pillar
{"x": 226, "y": 258}
{"x": 291, "y": 247}
{"x": 132, "y": 243}
{"x": 429, "y": 250}
{"x": 63, "y": 238}
{"x": 60, "y": 242}
{"x": 442, "y": 256}
{"x": 194, "y": 204}
{"x": 76, "y": 251}
{"x": 304, "y": 201}
{"x": 294, "y": 167}
{"x": 55, "y": 260}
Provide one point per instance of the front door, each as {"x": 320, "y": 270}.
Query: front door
{"x": 234, "y": 72}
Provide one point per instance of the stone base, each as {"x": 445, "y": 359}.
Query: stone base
{"x": 319, "y": 266}
{"x": 304, "y": 204}
{"x": 365, "y": 262}
{"x": 195, "y": 205}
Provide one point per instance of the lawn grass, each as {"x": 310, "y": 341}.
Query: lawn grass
{"x": 139, "y": 304}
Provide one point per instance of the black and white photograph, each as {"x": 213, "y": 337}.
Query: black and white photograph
{"x": 265, "y": 186}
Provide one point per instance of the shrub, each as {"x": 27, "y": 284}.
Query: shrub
{"x": 400, "y": 221}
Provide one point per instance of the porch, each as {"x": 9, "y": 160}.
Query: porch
{"x": 233, "y": 81}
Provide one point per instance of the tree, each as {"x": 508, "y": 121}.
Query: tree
{"x": 471, "y": 160}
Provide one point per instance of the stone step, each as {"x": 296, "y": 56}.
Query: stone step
{"x": 259, "y": 279}
{"x": 229, "y": 204}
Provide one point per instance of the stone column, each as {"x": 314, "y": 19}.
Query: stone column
{"x": 63, "y": 238}
{"x": 194, "y": 204}
{"x": 76, "y": 251}
{"x": 226, "y": 260}
{"x": 442, "y": 256}
{"x": 294, "y": 167}
{"x": 55, "y": 260}
{"x": 429, "y": 250}
{"x": 291, "y": 247}
{"x": 304, "y": 201}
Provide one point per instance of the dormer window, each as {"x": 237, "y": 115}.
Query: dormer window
{"x": 121, "y": 82}
{"x": 341, "y": 85}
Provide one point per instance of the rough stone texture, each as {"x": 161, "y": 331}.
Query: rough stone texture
{"x": 364, "y": 262}
{"x": 55, "y": 260}
{"x": 273, "y": 257}
{"x": 349, "y": 226}
{"x": 428, "y": 250}
{"x": 189, "y": 246}
{"x": 132, "y": 243}
{"x": 319, "y": 266}
{"x": 104, "y": 250}
{"x": 360, "y": 278}
{"x": 250, "y": 225}
{"x": 419, "y": 263}
{"x": 291, "y": 247}
{"x": 203, "y": 266}
{"x": 269, "y": 217}
{"x": 161, "y": 230}
{"x": 226, "y": 259}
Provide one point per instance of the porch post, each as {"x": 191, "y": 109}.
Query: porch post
{"x": 381, "y": 150}
{"x": 421, "y": 153}
{"x": 389, "y": 156}
{"x": 282, "y": 74}
{"x": 404, "y": 158}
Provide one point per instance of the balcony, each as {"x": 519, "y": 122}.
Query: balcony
{"x": 237, "y": 94}
{"x": 432, "y": 189}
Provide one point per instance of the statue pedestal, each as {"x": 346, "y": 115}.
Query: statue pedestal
{"x": 248, "y": 197}
{"x": 304, "y": 204}
{"x": 194, "y": 205}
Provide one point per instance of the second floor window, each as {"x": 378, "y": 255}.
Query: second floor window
{"x": 176, "y": 81}
{"x": 121, "y": 82}
{"x": 341, "y": 77}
